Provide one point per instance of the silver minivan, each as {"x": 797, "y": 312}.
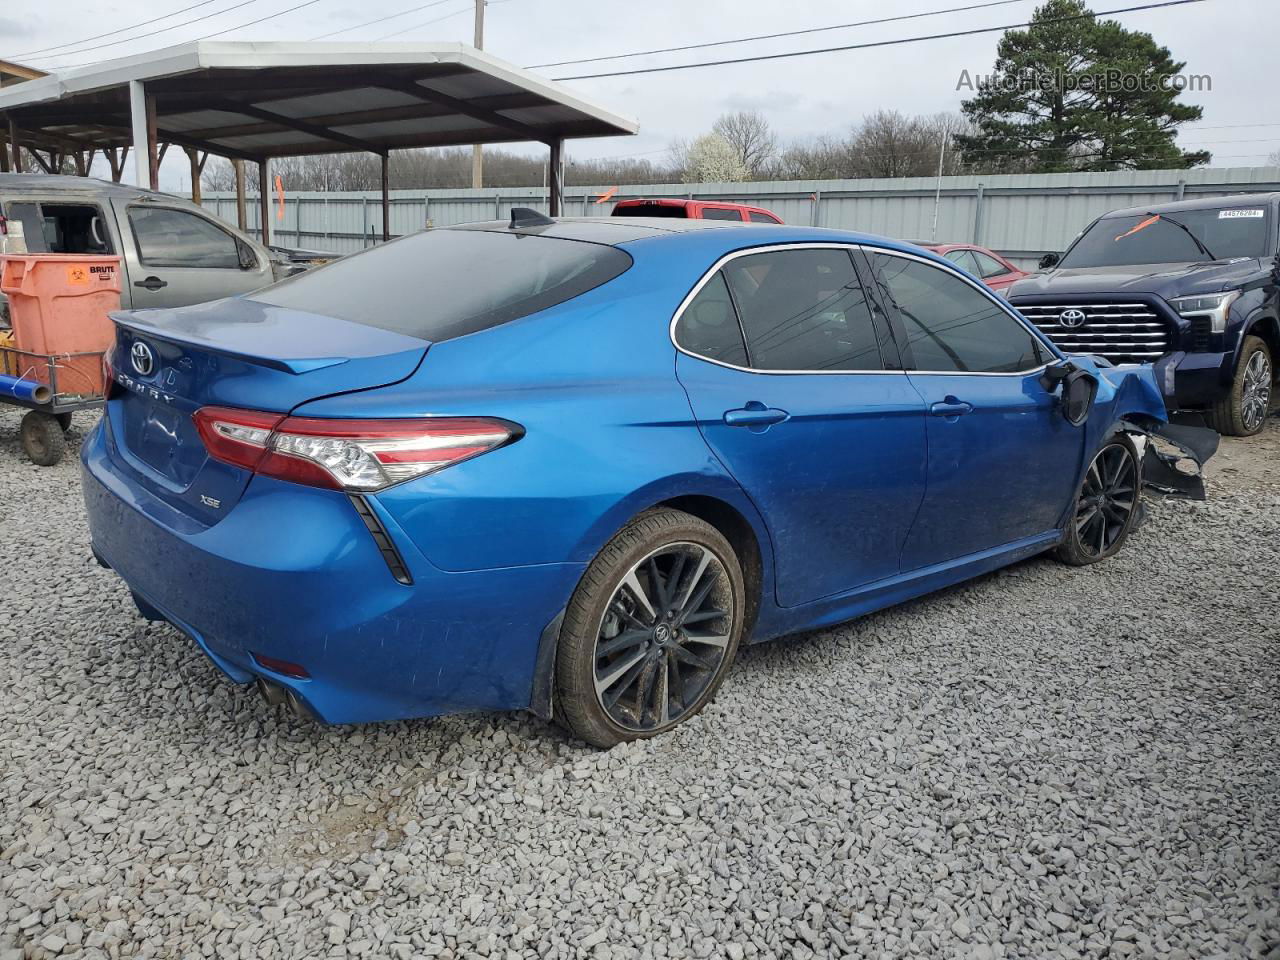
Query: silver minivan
{"x": 173, "y": 253}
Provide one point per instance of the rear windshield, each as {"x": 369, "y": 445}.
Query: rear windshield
{"x": 1222, "y": 234}
{"x": 447, "y": 283}
{"x": 651, "y": 210}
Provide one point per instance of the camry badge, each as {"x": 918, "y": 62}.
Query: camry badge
{"x": 143, "y": 360}
{"x": 1071, "y": 318}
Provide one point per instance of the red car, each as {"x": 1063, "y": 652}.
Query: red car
{"x": 987, "y": 265}
{"x": 694, "y": 210}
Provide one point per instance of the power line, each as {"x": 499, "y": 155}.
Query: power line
{"x": 878, "y": 43}
{"x": 370, "y": 23}
{"x": 447, "y": 16}
{"x": 774, "y": 36}
{"x": 253, "y": 23}
{"x": 143, "y": 36}
{"x": 207, "y": 36}
{"x": 109, "y": 33}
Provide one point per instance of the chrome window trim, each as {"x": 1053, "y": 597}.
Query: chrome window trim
{"x": 1003, "y": 304}
{"x": 850, "y": 247}
{"x": 750, "y": 251}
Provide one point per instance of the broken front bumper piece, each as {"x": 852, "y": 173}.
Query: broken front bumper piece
{"x": 1173, "y": 461}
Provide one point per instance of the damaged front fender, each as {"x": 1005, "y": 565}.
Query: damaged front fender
{"x": 1129, "y": 399}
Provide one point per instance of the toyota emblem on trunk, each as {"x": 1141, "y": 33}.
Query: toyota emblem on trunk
{"x": 143, "y": 360}
{"x": 1071, "y": 318}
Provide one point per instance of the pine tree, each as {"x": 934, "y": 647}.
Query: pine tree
{"x": 1075, "y": 93}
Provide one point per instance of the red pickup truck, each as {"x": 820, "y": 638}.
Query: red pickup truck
{"x": 694, "y": 210}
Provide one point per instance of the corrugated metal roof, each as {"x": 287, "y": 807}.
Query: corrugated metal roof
{"x": 282, "y": 99}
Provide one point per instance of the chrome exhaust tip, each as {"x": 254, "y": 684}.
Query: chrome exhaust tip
{"x": 272, "y": 693}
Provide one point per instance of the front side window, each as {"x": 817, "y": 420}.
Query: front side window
{"x": 709, "y": 326}
{"x": 761, "y": 218}
{"x": 804, "y": 310}
{"x": 950, "y": 326}
{"x": 1185, "y": 236}
{"x": 440, "y": 284}
{"x": 176, "y": 238}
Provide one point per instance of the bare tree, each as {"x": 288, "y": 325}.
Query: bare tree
{"x": 751, "y": 138}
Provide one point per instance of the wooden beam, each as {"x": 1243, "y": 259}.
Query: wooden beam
{"x": 242, "y": 215}
{"x": 153, "y": 159}
{"x": 196, "y": 160}
{"x": 555, "y": 178}
{"x": 4, "y": 152}
{"x": 455, "y": 105}
{"x": 264, "y": 199}
{"x": 386, "y": 197}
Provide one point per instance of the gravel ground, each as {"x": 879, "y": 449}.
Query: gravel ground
{"x": 1044, "y": 762}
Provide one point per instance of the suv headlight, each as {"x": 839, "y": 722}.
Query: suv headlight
{"x": 1215, "y": 306}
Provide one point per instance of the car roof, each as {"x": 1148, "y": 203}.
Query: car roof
{"x": 24, "y": 184}
{"x": 610, "y": 230}
{"x": 1199, "y": 203}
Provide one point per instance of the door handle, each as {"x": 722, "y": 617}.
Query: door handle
{"x": 754, "y": 414}
{"x": 950, "y": 407}
{"x": 151, "y": 283}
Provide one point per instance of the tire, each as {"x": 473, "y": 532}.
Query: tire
{"x": 42, "y": 438}
{"x": 1243, "y": 412}
{"x": 1097, "y": 529}
{"x": 624, "y": 674}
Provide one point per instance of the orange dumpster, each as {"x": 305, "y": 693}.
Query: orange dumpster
{"x": 58, "y": 305}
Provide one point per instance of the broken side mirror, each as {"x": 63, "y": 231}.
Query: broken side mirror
{"x": 1079, "y": 388}
{"x": 1049, "y": 261}
{"x": 248, "y": 259}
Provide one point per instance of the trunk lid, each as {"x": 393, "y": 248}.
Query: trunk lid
{"x": 232, "y": 353}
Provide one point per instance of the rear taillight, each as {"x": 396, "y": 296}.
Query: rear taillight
{"x": 360, "y": 456}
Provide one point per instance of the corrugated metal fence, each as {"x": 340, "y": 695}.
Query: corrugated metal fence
{"x": 1020, "y": 216}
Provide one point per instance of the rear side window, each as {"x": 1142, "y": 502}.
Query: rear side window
{"x": 951, "y": 326}
{"x": 709, "y": 326}
{"x": 721, "y": 213}
{"x": 804, "y": 310}
{"x": 651, "y": 210}
{"x": 989, "y": 266}
{"x": 175, "y": 238}
{"x": 448, "y": 283}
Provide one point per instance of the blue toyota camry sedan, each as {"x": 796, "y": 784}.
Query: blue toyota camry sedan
{"x": 572, "y": 466}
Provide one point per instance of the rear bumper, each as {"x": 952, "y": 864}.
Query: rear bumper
{"x": 1191, "y": 381}
{"x": 292, "y": 574}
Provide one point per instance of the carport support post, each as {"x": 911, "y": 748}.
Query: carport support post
{"x": 386, "y": 196}
{"x": 555, "y": 177}
{"x": 264, "y": 199}
{"x": 142, "y": 116}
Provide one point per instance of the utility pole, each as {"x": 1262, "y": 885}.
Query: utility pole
{"x": 477, "y": 153}
{"x": 937, "y": 190}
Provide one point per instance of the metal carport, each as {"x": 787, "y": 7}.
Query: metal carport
{"x": 256, "y": 101}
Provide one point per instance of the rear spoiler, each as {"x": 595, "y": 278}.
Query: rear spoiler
{"x": 132, "y": 321}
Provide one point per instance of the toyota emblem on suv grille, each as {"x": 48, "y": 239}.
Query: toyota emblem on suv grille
{"x": 143, "y": 360}
{"x": 1071, "y": 318}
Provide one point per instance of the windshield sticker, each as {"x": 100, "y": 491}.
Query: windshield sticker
{"x": 1142, "y": 226}
{"x": 1239, "y": 214}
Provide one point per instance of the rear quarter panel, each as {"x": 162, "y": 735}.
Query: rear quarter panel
{"x": 608, "y": 429}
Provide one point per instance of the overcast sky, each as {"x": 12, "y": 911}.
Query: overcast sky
{"x": 801, "y": 97}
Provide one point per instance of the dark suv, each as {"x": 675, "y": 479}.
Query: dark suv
{"x": 1191, "y": 287}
